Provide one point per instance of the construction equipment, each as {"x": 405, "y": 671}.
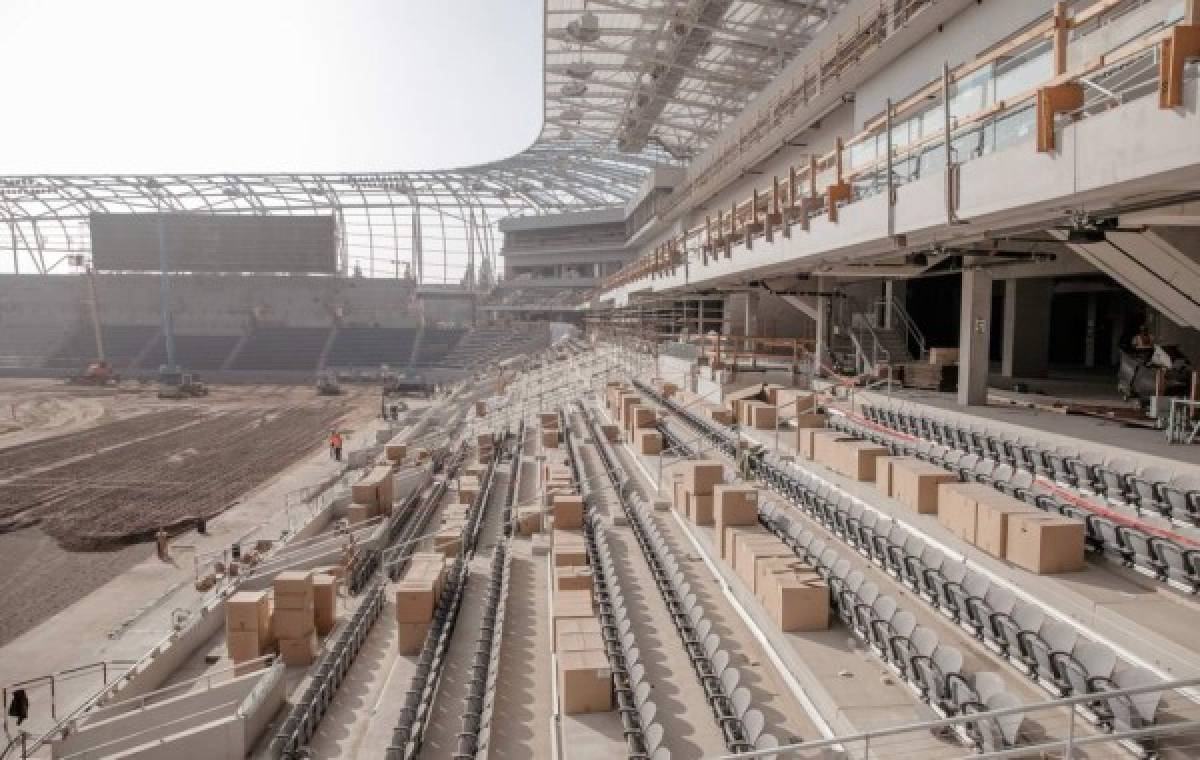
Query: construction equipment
{"x": 327, "y": 385}
{"x": 174, "y": 383}
{"x": 98, "y": 373}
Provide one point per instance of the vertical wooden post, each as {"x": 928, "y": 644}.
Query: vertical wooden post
{"x": 704, "y": 249}
{"x": 811, "y": 201}
{"x": 1062, "y": 29}
{"x": 732, "y": 229}
{"x": 751, "y": 223}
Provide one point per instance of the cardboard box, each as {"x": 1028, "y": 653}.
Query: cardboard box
{"x": 415, "y": 600}
{"x": 943, "y": 355}
{"x": 628, "y": 401}
{"x": 291, "y": 624}
{"x": 243, "y": 645}
{"x": 612, "y": 433}
{"x": 375, "y": 487}
{"x": 825, "y": 447}
{"x": 719, "y": 415}
{"x": 858, "y": 459}
{"x": 915, "y": 484}
{"x": 395, "y": 450}
{"x": 769, "y": 566}
{"x": 991, "y": 522}
{"x": 641, "y": 417}
{"x": 573, "y": 578}
{"x": 410, "y": 637}
{"x": 750, "y": 393}
{"x": 568, "y": 512}
{"x": 481, "y": 408}
{"x": 357, "y": 513}
{"x": 649, "y": 442}
{"x": 325, "y": 594}
{"x": 301, "y": 651}
{"x": 736, "y": 533}
{"x": 733, "y": 505}
{"x": 579, "y": 625}
{"x": 585, "y": 682}
{"x": 957, "y": 507}
{"x": 569, "y": 549}
{"x": 579, "y": 641}
{"x": 797, "y": 602}
{"x": 548, "y": 419}
{"x": 803, "y": 441}
{"x": 1045, "y": 544}
{"x": 448, "y": 541}
{"x": 294, "y": 591}
{"x": 761, "y": 415}
{"x": 529, "y": 520}
{"x": 550, "y": 439}
{"x": 570, "y": 604}
{"x": 699, "y": 507}
{"x": 700, "y": 476}
{"x": 751, "y": 549}
{"x": 248, "y": 611}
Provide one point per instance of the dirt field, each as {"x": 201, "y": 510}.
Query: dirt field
{"x": 88, "y": 476}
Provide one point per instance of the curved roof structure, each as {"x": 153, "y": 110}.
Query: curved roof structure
{"x": 628, "y": 86}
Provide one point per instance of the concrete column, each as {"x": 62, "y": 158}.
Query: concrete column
{"x": 974, "y": 330}
{"x": 1026, "y": 342}
{"x": 1089, "y": 337}
{"x": 750, "y": 325}
{"x": 824, "y": 309}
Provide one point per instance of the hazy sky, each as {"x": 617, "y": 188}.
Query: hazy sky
{"x": 266, "y": 85}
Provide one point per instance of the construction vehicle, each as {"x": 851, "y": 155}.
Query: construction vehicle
{"x": 98, "y": 373}
{"x": 174, "y": 383}
{"x": 327, "y": 385}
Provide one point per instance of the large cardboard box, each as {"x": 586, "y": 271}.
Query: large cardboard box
{"x": 943, "y": 355}
{"x": 410, "y": 637}
{"x": 958, "y": 507}
{"x": 325, "y": 595}
{"x": 550, "y": 439}
{"x": 883, "y": 474}
{"x": 641, "y": 417}
{"x": 291, "y": 624}
{"x": 243, "y": 645}
{"x": 569, "y": 549}
{"x": 585, "y": 682}
{"x": 700, "y": 476}
{"x": 301, "y": 651}
{"x": 529, "y": 520}
{"x": 804, "y": 440}
{"x": 548, "y": 419}
{"x": 858, "y": 459}
{"x": 579, "y": 641}
{"x": 448, "y": 541}
{"x": 375, "y": 488}
{"x": 415, "y": 600}
{"x": 915, "y": 484}
{"x": 248, "y": 611}
{"x": 628, "y": 402}
{"x": 293, "y": 590}
{"x": 1045, "y": 544}
{"x": 357, "y": 513}
{"x": 719, "y": 415}
{"x": 570, "y": 608}
{"x": 733, "y": 505}
{"x": 750, "y": 393}
{"x": 826, "y": 447}
{"x": 395, "y": 450}
{"x": 797, "y": 602}
{"x": 736, "y": 533}
{"x": 573, "y": 578}
{"x": 991, "y": 522}
{"x": 649, "y": 442}
{"x": 612, "y": 433}
{"x": 568, "y": 512}
{"x": 699, "y": 507}
{"x": 589, "y": 625}
{"x": 761, "y": 415}
{"x": 751, "y": 549}
{"x": 769, "y": 566}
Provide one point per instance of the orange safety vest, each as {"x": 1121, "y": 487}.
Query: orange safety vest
{"x": 335, "y": 441}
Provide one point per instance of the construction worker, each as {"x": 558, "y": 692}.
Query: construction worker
{"x": 335, "y": 445}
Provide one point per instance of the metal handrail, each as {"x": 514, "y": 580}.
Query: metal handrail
{"x": 911, "y": 331}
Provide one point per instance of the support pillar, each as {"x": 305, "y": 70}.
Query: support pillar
{"x": 973, "y": 334}
{"x": 1089, "y": 337}
{"x": 750, "y": 324}
{"x": 824, "y": 316}
{"x": 1026, "y": 343}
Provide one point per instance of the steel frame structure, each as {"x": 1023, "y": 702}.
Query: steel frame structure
{"x": 629, "y": 85}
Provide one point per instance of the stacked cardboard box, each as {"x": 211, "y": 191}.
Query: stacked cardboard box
{"x": 529, "y": 520}
{"x": 568, "y": 512}
{"x": 794, "y": 595}
{"x": 732, "y": 401}
{"x": 957, "y": 507}
{"x": 612, "y": 433}
{"x": 324, "y": 602}
{"x": 374, "y": 490}
{"x": 992, "y": 518}
{"x": 699, "y": 479}
{"x": 481, "y": 408}
{"x": 759, "y": 415}
{"x": 468, "y": 489}
{"x": 915, "y": 484}
{"x": 294, "y": 617}
{"x": 719, "y": 415}
{"x": 585, "y": 681}
{"x": 752, "y": 548}
{"x": 396, "y": 449}
{"x": 573, "y": 578}
{"x": 569, "y": 548}
{"x": 649, "y": 442}
{"x": 569, "y": 605}
{"x": 248, "y": 632}
{"x": 733, "y": 506}
{"x": 484, "y": 444}
{"x": 1044, "y": 543}
{"x": 416, "y": 597}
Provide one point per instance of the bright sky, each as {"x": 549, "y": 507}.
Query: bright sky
{"x": 139, "y": 86}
